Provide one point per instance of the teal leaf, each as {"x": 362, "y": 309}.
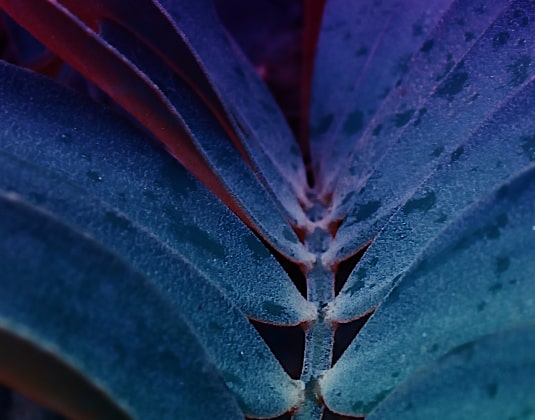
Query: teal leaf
{"x": 68, "y": 35}
{"x": 418, "y": 148}
{"x": 71, "y": 297}
{"x": 475, "y": 278}
{"x": 490, "y": 378}
{"x": 91, "y": 149}
{"x": 486, "y": 158}
{"x": 213, "y": 143}
{"x": 245, "y": 362}
{"x": 146, "y": 209}
{"x": 422, "y": 170}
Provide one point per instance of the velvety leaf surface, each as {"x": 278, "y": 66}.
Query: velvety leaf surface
{"x": 213, "y": 143}
{"x": 461, "y": 26}
{"x": 246, "y": 364}
{"x": 251, "y": 110}
{"x": 490, "y": 378}
{"x": 502, "y": 145}
{"x": 227, "y": 83}
{"x": 67, "y": 35}
{"x": 248, "y": 367}
{"x": 204, "y": 71}
{"x": 474, "y": 279}
{"x": 86, "y": 147}
{"x": 102, "y": 318}
{"x": 446, "y": 44}
{"x": 471, "y": 92}
{"x": 364, "y": 48}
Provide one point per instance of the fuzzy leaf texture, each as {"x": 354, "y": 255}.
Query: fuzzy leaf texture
{"x": 154, "y": 223}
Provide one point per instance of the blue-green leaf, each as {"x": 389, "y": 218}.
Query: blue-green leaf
{"x": 500, "y": 147}
{"x": 91, "y": 149}
{"x": 139, "y": 203}
{"x": 474, "y": 279}
{"x": 473, "y": 90}
{"x": 250, "y": 371}
{"x": 63, "y": 28}
{"x": 492, "y": 378}
{"x": 71, "y": 297}
{"x": 214, "y": 145}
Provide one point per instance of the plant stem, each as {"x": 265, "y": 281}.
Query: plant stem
{"x": 319, "y": 337}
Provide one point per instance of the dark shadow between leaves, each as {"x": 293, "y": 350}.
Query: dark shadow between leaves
{"x": 329, "y": 415}
{"x": 285, "y": 416}
{"x": 346, "y": 267}
{"x": 346, "y": 333}
{"x": 293, "y": 270}
{"x": 286, "y": 343}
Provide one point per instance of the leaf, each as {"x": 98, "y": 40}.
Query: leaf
{"x": 91, "y": 149}
{"x": 88, "y": 288}
{"x": 454, "y": 37}
{"x": 501, "y": 146}
{"x": 64, "y": 33}
{"x": 113, "y": 73}
{"x": 492, "y": 378}
{"x": 253, "y": 113}
{"x": 473, "y": 279}
{"x": 215, "y": 146}
{"x": 232, "y": 343}
{"x": 475, "y": 89}
{"x": 193, "y": 59}
{"x": 425, "y": 120}
{"x": 363, "y": 50}
{"x": 138, "y": 202}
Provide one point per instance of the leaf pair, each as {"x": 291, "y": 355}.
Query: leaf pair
{"x": 474, "y": 279}
{"x": 131, "y": 208}
{"x": 410, "y": 159}
{"x": 181, "y": 84}
{"x": 422, "y": 137}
